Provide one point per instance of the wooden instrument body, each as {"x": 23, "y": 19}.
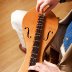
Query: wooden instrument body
{"x": 30, "y": 22}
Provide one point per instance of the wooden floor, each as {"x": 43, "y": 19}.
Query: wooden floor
{"x": 11, "y": 57}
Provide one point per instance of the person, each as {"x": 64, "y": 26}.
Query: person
{"x": 65, "y": 64}
{"x": 16, "y": 21}
{"x": 41, "y": 4}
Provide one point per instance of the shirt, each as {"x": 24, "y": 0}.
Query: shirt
{"x": 68, "y": 37}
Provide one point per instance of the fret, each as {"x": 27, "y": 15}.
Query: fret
{"x": 33, "y": 58}
{"x": 40, "y": 21}
{"x": 35, "y": 50}
{"x": 34, "y": 54}
{"x": 39, "y": 25}
{"x": 35, "y": 47}
{"x": 38, "y": 29}
{"x": 32, "y": 63}
{"x": 38, "y": 35}
{"x": 36, "y": 40}
{"x": 41, "y": 18}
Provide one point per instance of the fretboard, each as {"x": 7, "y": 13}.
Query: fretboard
{"x": 37, "y": 40}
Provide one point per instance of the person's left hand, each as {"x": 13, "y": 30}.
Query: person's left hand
{"x": 45, "y": 67}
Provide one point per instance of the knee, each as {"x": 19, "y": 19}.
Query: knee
{"x": 16, "y": 19}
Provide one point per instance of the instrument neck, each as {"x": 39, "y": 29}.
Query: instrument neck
{"x": 37, "y": 39}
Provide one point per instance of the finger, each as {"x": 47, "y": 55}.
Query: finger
{"x": 42, "y": 7}
{"x": 36, "y": 68}
{"x": 50, "y": 8}
{"x": 31, "y": 68}
{"x": 38, "y": 6}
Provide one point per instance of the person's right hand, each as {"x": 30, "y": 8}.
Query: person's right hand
{"x": 41, "y": 4}
{"x": 45, "y": 67}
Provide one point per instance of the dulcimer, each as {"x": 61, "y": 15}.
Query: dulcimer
{"x": 38, "y": 31}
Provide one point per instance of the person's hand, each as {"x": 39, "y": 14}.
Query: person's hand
{"x": 45, "y": 67}
{"x": 41, "y": 4}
